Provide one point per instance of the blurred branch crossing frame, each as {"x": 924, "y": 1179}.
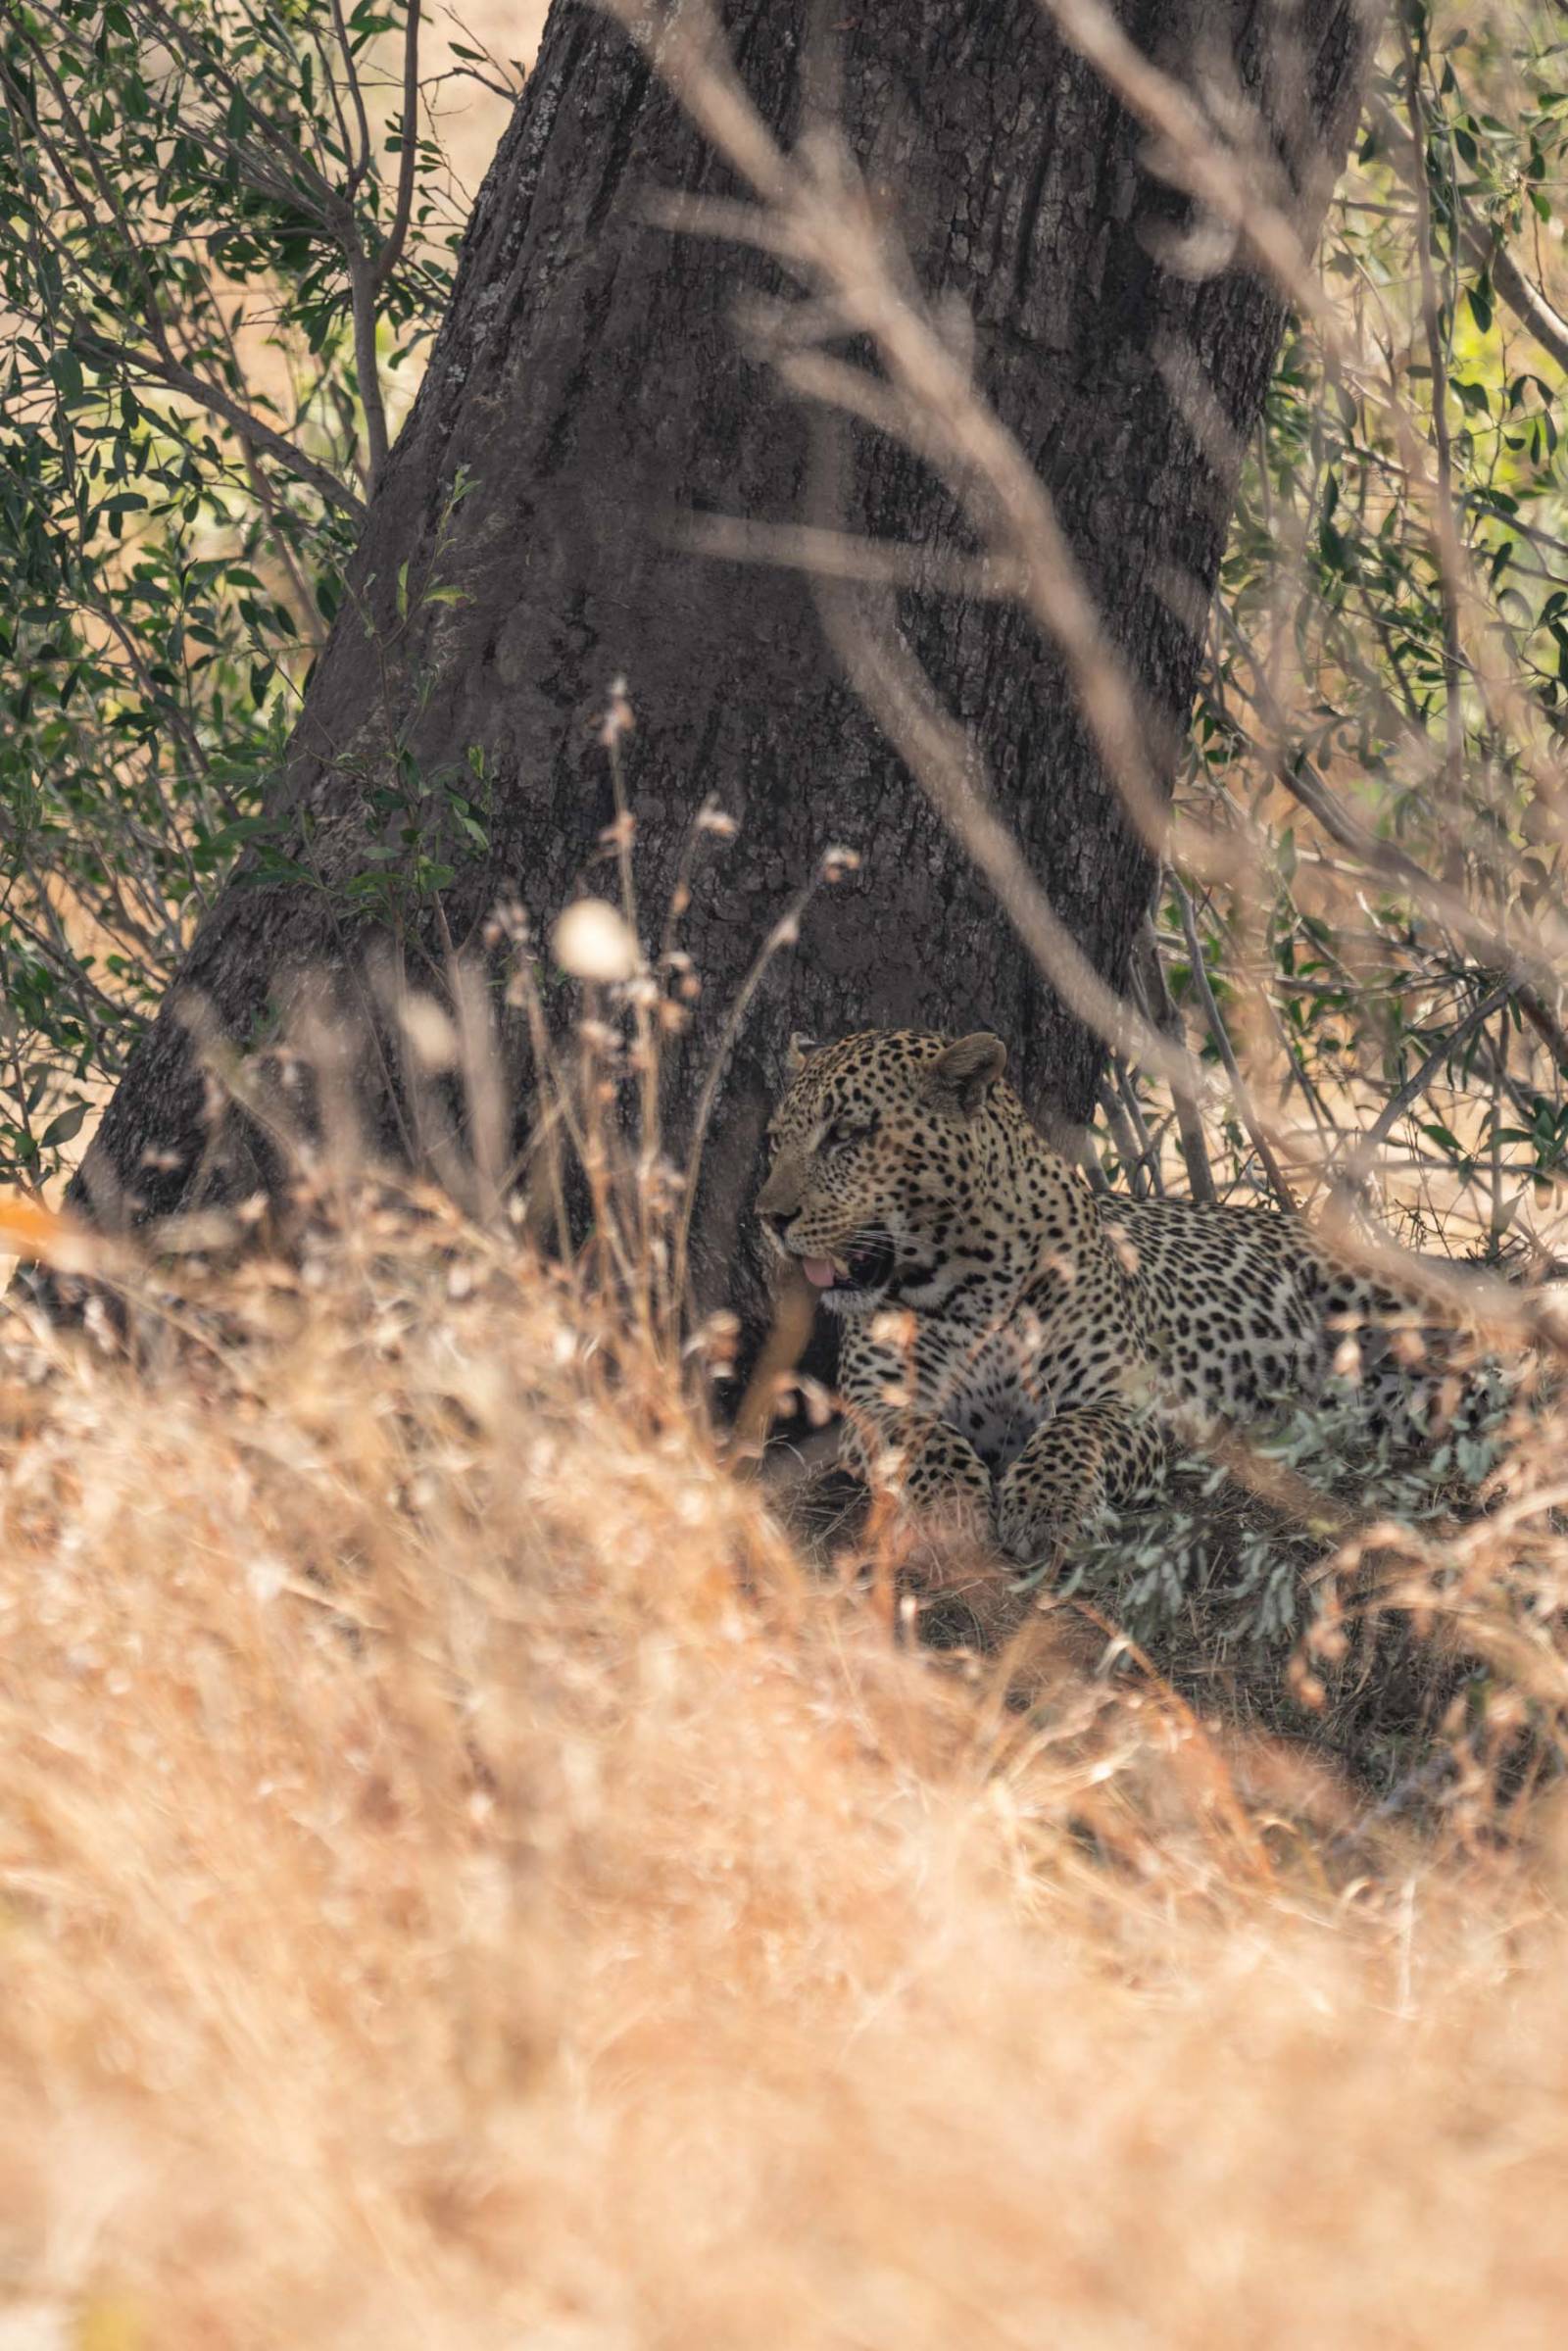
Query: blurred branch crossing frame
{"x": 602, "y": 378}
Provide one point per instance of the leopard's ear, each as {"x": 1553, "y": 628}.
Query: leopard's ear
{"x": 963, "y": 1074}
{"x": 797, "y": 1053}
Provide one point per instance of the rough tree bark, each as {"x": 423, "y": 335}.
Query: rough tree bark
{"x": 588, "y": 382}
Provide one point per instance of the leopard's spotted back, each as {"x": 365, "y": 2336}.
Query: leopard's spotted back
{"x": 1244, "y": 1308}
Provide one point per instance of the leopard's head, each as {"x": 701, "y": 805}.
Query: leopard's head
{"x": 881, "y": 1185}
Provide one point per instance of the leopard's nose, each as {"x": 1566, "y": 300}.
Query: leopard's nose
{"x": 778, "y": 1221}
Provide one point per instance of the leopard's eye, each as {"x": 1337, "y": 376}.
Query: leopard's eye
{"x": 843, "y": 1133}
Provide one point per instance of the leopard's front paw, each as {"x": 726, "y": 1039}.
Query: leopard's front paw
{"x": 962, "y": 1503}
{"x": 950, "y": 1482}
{"x": 1035, "y": 1519}
{"x": 929, "y": 1469}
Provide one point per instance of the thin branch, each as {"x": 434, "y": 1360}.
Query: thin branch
{"x": 391, "y": 252}
{"x": 359, "y": 164}
{"x": 1525, "y": 301}
{"x": 105, "y": 352}
{"x": 1482, "y": 247}
{"x": 1547, "y": 1027}
{"x": 1153, "y": 989}
{"x": 1395, "y": 1108}
{"x": 1123, "y": 1135}
{"x": 1444, "y": 531}
{"x": 1227, "y": 1052}
{"x": 362, "y": 297}
{"x": 365, "y": 274}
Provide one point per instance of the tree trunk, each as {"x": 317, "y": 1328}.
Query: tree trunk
{"x": 588, "y": 383}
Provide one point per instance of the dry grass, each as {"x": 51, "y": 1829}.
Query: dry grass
{"x": 463, "y": 1881}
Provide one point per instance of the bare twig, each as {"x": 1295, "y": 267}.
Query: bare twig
{"x": 386, "y": 260}
{"x": 846, "y": 555}
{"x": 1227, "y": 1052}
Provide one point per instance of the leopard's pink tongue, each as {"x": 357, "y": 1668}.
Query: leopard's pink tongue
{"x": 818, "y": 1271}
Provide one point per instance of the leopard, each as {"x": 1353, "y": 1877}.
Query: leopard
{"x": 1023, "y": 1348}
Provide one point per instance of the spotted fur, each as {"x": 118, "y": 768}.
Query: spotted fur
{"x": 1014, "y": 1343}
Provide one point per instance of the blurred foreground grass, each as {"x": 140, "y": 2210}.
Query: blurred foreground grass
{"x": 466, "y": 1881}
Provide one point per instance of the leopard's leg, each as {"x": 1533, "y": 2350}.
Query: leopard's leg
{"x": 928, "y": 1465}
{"x": 1109, "y": 1452}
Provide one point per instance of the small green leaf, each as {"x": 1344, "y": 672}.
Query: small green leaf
{"x": 66, "y": 1127}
